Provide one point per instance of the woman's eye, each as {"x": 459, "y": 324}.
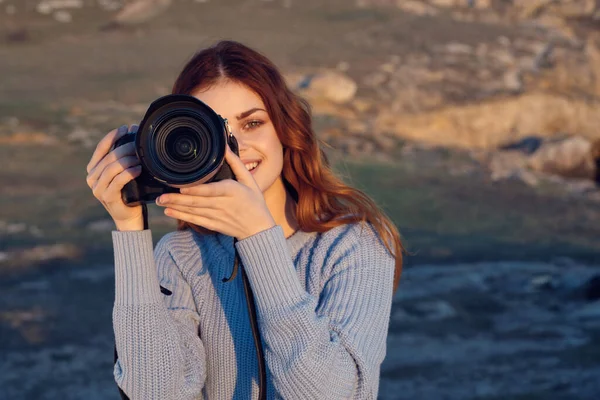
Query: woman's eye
{"x": 253, "y": 124}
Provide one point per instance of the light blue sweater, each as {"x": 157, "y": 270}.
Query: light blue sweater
{"x": 323, "y": 304}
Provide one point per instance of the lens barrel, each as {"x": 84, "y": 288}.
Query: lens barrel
{"x": 181, "y": 140}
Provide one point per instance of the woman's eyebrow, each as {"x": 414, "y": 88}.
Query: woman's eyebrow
{"x": 249, "y": 112}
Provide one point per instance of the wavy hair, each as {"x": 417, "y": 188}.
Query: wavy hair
{"x": 323, "y": 200}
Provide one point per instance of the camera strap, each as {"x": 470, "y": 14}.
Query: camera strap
{"x": 262, "y": 387}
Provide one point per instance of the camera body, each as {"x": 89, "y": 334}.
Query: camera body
{"x": 180, "y": 142}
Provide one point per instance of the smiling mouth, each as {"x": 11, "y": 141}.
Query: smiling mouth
{"x": 251, "y": 167}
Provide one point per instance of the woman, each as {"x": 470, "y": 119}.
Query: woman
{"x": 322, "y": 260}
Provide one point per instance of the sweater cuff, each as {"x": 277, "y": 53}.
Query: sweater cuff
{"x": 136, "y": 278}
{"x": 267, "y": 261}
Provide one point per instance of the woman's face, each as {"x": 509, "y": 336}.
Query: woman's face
{"x": 251, "y": 126}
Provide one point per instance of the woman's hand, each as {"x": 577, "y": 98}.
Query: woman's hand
{"x": 108, "y": 171}
{"x": 233, "y": 208}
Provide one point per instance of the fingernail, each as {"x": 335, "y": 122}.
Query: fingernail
{"x": 158, "y": 200}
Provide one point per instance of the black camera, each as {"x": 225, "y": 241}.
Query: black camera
{"x": 180, "y": 142}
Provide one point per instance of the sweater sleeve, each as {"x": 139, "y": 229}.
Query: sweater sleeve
{"x": 329, "y": 347}
{"x": 160, "y": 353}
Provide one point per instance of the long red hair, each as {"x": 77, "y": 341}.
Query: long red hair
{"x": 323, "y": 200}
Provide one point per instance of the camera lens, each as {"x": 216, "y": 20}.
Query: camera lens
{"x": 183, "y": 140}
{"x": 183, "y": 145}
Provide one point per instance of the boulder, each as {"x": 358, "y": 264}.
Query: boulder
{"x": 495, "y": 123}
{"x": 330, "y": 85}
{"x": 479, "y": 4}
{"x": 569, "y": 157}
{"x": 588, "y": 311}
{"x": 527, "y": 145}
{"x": 595, "y": 153}
{"x": 416, "y": 7}
{"x": 592, "y": 288}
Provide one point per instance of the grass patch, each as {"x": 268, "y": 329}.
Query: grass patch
{"x": 33, "y": 114}
{"x": 442, "y": 218}
{"x": 468, "y": 218}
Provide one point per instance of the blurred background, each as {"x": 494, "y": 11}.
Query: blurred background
{"x": 473, "y": 123}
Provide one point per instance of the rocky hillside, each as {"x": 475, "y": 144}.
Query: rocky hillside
{"x": 528, "y": 70}
{"x": 473, "y": 74}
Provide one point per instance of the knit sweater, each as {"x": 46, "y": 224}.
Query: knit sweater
{"x": 323, "y": 304}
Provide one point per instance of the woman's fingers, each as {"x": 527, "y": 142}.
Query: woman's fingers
{"x": 95, "y": 166}
{"x": 188, "y": 210}
{"x": 120, "y": 152}
{"x": 193, "y": 218}
{"x": 222, "y": 188}
{"x": 193, "y": 205}
{"x": 113, "y": 191}
{"x": 110, "y": 172}
{"x": 104, "y": 146}
{"x": 239, "y": 169}
{"x": 194, "y": 209}
{"x": 170, "y": 199}
{"x": 133, "y": 128}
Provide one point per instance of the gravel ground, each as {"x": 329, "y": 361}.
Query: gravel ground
{"x": 465, "y": 331}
